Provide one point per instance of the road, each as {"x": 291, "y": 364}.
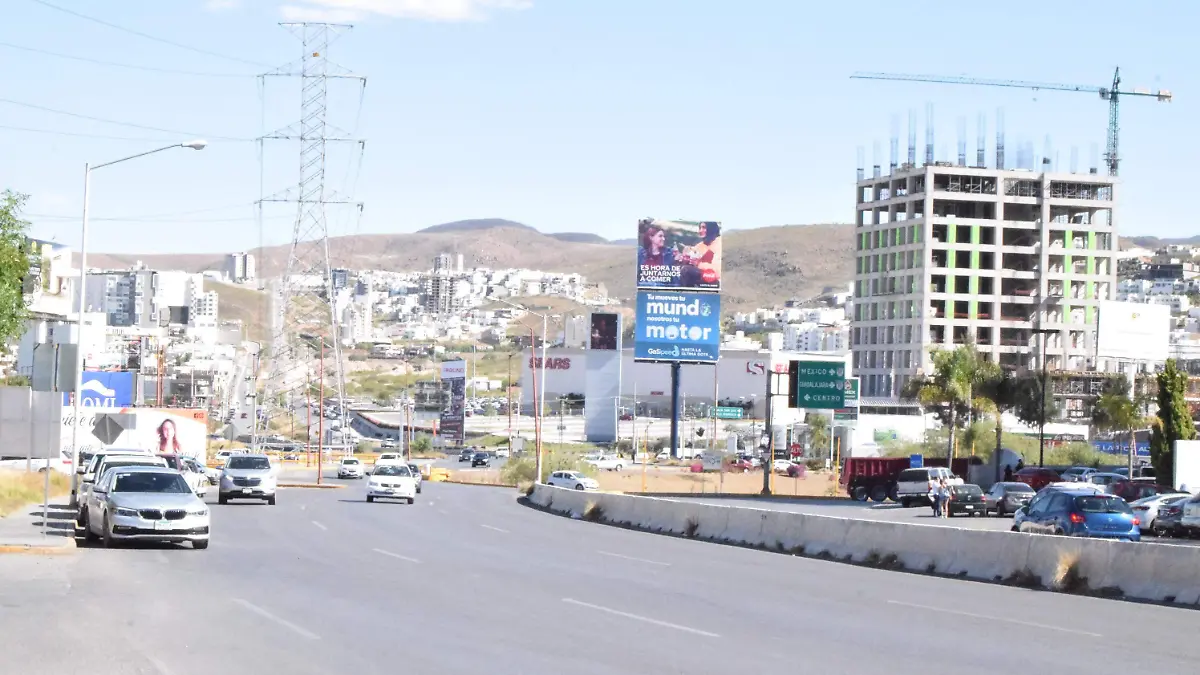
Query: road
{"x": 468, "y": 581}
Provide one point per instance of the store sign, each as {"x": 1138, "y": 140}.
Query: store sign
{"x": 556, "y": 363}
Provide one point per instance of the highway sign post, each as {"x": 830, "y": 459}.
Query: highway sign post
{"x": 728, "y": 412}
{"x": 817, "y": 385}
{"x": 848, "y": 415}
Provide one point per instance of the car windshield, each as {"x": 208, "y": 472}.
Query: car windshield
{"x": 349, "y": 461}
{"x": 170, "y": 483}
{"x": 120, "y": 463}
{"x": 392, "y": 470}
{"x": 1099, "y": 504}
{"x": 249, "y": 463}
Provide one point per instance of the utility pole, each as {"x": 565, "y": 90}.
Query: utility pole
{"x": 308, "y": 423}
{"x": 510, "y": 393}
{"x": 321, "y": 414}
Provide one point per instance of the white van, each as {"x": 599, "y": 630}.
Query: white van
{"x": 913, "y": 485}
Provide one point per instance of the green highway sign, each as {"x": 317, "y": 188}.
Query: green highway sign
{"x": 850, "y": 412}
{"x": 817, "y": 384}
{"x": 728, "y": 412}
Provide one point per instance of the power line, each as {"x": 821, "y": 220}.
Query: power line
{"x": 132, "y": 125}
{"x": 148, "y": 36}
{"x": 53, "y": 132}
{"x": 49, "y": 216}
{"x": 131, "y": 66}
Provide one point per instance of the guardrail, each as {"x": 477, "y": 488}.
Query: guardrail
{"x": 1157, "y": 572}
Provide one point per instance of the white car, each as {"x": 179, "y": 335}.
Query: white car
{"x": 606, "y": 462}
{"x": 502, "y": 451}
{"x": 913, "y": 485}
{"x": 392, "y": 481}
{"x": 572, "y": 480}
{"x": 1146, "y": 509}
{"x": 350, "y": 467}
{"x": 1190, "y": 519}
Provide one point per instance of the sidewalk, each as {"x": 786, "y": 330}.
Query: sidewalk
{"x": 21, "y": 531}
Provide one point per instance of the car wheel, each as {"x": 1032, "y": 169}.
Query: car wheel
{"x": 905, "y": 502}
{"x": 88, "y": 535}
{"x": 370, "y": 499}
{"x": 999, "y": 510}
{"x": 579, "y": 486}
{"x": 200, "y": 544}
{"x": 859, "y": 493}
{"x": 107, "y": 537}
{"x": 222, "y": 499}
{"x": 418, "y": 489}
{"x": 879, "y": 494}
{"x": 271, "y": 500}
{"x": 411, "y": 501}
{"x": 894, "y": 493}
{"x": 1014, "y": 528}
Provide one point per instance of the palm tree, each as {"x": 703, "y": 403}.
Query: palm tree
{"x": 818, "y": 432}
{"x": 959, "y": 375}
{"x": 1116, "y": 411}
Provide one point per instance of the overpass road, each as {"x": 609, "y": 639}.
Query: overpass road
{"x": 468, "y": 581}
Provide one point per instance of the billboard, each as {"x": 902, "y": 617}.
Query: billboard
{"x": 178, "y": 430}
{"x": 1133, "y": 330}
{"x": 452, "y": 421}
{"x": 605, "y": 331}
{"x": 679, "y": 254}
{"x": 103, "y": 389}
{"x": 684, "y": 327}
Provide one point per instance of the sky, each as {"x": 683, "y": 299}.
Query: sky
{"x": 566, "y": 115}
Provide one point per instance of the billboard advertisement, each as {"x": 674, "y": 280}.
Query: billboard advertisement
{"x": 103, "y": 389}
{"x": 452, "y": 421}
{"x": 679, "y": 254}
{"x": 605, "y": 331}
{"x": 1133, "y": 330}
{"x": 684, "y": 327}
{"x": 177, "y": 430}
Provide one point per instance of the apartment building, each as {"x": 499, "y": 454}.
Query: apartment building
{"x": 948, "y": 254}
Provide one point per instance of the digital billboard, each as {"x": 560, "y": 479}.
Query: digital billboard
{"x": 679, "y": 254}
{"x": 605, "y": 331}
{"x": 452, "y": 421}
{"x": 678, "y": 326}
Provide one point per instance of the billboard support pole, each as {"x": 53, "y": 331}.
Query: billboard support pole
{"x": 675, "y": 368}
{"x": 321, "y": 412}
{"x": 769, "y": 458}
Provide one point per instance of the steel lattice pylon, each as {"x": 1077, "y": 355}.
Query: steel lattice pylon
{"x": 304, "y": 309}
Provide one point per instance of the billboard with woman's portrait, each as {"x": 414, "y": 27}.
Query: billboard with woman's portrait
{"x": 182, "y": 431}
{"x": 679, "y": 254}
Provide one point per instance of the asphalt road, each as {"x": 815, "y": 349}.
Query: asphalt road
{"x": 468, "y": 581}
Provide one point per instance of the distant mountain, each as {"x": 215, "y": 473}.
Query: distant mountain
{"x": 624, "y": 242}
{"x": 579, "y": 237}
{"x": 473, "y": 225}
{"x": 1156, "y": 242}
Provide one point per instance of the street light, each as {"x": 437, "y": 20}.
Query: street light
{"x": 87, "y": 183}
{"x": 541, "y": 397}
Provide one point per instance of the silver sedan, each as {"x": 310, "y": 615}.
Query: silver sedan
{"x": 144, "y": 503}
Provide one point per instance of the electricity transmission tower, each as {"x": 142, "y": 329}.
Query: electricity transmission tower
{"x": 305, "y": 305}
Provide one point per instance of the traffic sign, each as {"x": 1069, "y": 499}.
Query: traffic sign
{"x": 728, "y": 412}
{"x": 817, "y": 384}
{"x": 849, "y": 414}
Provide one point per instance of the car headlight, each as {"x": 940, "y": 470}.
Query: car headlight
{"x": 201, "y": 511}
{"x": 128, "y": 513}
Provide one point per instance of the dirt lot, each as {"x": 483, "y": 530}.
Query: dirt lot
{"x": 677, "y": 481}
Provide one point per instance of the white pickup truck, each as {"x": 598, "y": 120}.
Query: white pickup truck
{"x": 606, "y": 462}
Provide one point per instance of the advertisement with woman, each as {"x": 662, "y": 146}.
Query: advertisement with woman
{"x": 679, "y": 254}
{"x": 182, "y": 431}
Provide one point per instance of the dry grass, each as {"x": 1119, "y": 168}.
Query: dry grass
{"x": 478, "y": 478}
{"x": 18, "y": 488}
{"x": 675, "y": 481}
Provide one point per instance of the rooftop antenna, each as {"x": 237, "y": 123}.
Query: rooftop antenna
{"x": 875, "y": 171}
{"x": 1000, "y": 138}
{"x": 895, "y": 154}
{"x": 962, "y": 140}
{"x": 861, "y": 160}
{"x": 912, "y": 137}
{"x": 981, "y": 143}
{"x": 928, "y": 133}
{"x": 1074, "y": 159}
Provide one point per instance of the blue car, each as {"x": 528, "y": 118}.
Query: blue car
{"x": 1079, "y": 513}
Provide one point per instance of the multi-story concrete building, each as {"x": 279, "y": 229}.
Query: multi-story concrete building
{"x": 239, "y": 267}
{"x": 950, "y": 254}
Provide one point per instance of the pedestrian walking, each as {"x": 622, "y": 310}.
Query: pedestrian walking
{"x": 946, "y": 496}
{"x": 935, "y": 498}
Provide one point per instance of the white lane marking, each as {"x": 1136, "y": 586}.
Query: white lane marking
{"x": 395, "y": 555}
{"x": 319, "y": 526}
{"x": 629, "y": 557}
{"x": 489, "y": 527}
{"x": 986, "y": 617}
{"x": 282, "y": 622}
{"x": 638, "y": 617}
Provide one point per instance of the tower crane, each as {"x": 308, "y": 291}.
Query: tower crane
{"x": 1112, "y": 94}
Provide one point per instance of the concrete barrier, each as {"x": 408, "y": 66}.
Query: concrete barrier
{"x": 1157, "y": 572}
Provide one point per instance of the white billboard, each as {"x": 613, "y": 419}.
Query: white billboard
{"x": 1133, "y": 330}
{"x": 454, "y": 370}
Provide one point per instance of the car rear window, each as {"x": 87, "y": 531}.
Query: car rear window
{"x": 1018, "y": 487}
{"x": 913, "y": 476}
{"x": 1098, "y": 504}
{"x": 967, "y": 490}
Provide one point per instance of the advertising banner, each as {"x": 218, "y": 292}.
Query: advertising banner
{"x": 105, "y": 389}
{"x": 1133, "y": 330}
{"x": 177, "y": 430}
{"x": 679, "y": 254}
{"x": 452, "y": 421}
{"x": 684, "y": 327}
{"x": 605, "y": 331}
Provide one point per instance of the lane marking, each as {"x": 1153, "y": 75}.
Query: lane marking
{"x": 281, "y": 621}
{"x": 986, "y": 617}
{"x": 395, "y": 555}
{"x": 495, "y": 529}
{"x": 629, "y": 557}
{"x": 638, "y": 617}
{"x": 319, "y": 526}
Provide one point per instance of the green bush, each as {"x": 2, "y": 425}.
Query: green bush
{"x": 422, "y": 444}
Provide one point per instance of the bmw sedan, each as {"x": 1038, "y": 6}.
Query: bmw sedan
{"x": 144, "y": 503}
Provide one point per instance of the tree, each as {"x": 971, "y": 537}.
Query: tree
{"x": 1174, "y": 422}
{"x": 421, "y": 444}
{"x": 951, "y": 391}
{"x": 818, "y": 433}
{"x": 1117, "y": 411}
{"x": 14, "y": 265}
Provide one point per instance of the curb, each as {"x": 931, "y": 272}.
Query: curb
{"x": 314, "y": 486}
{"x": 728, "y": 495}
{"x": 36, "y": 549}
{"x": 494, "y": 485}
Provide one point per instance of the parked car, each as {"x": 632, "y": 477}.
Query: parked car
{"x": 1189, "y": 521}
{"x": 190, "y": 469}
{"x": 144, "y": 503}
{"x": 572, "y": 480}
{"x": 913, "y": 485}
{"x": 1004, "y": 498}
{"x": 88, "y": 463}
{"x": 1133, "y": 490}
{"x": 876, "y": 478}
{"x": 104, "y": 461}
{"x": 1079, "y": 513}
{"x": 1104, "y": 479}
{"x": 1077, "y": 473}
{"x": 606, "y": 462}
{"x": 1037, "y": 477}
{"x": 966, "y": 499}
{"x": 1148, "y": 508}
{"x": 1168, "y": 522}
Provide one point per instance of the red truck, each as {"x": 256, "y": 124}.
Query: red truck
{"x": 874, "y": 478}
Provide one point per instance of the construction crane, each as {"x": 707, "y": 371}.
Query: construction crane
{"x": 1112, "y": 94}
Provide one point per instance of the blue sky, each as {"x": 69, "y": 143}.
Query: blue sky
{"x": 568, "y": 115}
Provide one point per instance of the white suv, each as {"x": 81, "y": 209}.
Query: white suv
{"x": 350, "y": 467}
{"x": 913, "y": 485}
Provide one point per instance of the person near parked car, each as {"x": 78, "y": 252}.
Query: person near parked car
{"x": 1008, "y": 473}
{"x": 947, "y": 495}
{"x": 935, "y": 498}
